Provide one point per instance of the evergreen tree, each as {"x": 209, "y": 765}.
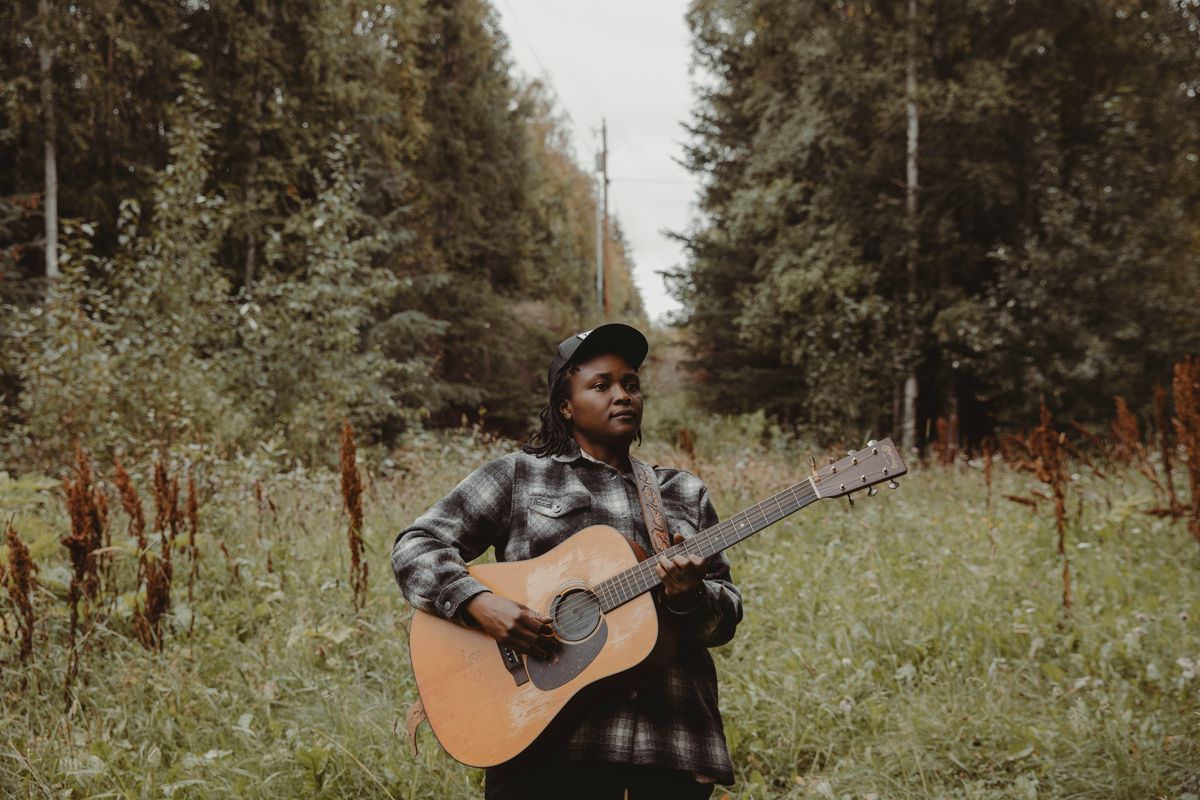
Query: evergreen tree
{"x": 1054, "y": 192}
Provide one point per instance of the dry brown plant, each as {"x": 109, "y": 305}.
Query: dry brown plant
{"x": 85, "y": 539}
{"x": 352, "y": 502}
{"x": 1126, "y": 434}
{"x": 1044, "y": 452}
{"x": 132, "y": 503}
{"x": 1162, "y": 423}
{"x": 148, "y": 624}
{"x": 1185, "y": 390}
{"x": 988, "y": 447}
{"x": 988, "y": 453}
{"x": 193, "y": 521}
{"x": 20, "y": 582}
{"x": 945, "y": 446}
{"x": 158, "y": 570}
{"x": 87, "y": 527}
{"x": 166, "y": 505}
{"x": 1128, "y": 448}
{"x": 103, "y": 556}
{"x": 4, "y": 617}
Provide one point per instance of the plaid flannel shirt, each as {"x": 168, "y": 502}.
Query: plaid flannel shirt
{"x": 524, "y": 506}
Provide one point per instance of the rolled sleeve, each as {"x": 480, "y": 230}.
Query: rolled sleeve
{"x": 429, "y": 558}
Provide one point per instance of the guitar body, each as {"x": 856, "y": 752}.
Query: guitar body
{"x": 486, "y": 705}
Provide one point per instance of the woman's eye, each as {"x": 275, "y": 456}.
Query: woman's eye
{"x": 600, "y": 386}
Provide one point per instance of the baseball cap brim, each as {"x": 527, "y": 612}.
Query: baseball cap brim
{"x": 623, "y": 340}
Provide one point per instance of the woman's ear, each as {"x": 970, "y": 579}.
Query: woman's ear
{"x": 564, "y": 408}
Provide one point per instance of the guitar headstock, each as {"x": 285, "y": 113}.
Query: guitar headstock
{"x": 877, "y": 462}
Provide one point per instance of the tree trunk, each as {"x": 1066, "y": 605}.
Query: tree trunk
{"x": 50, "y": 193}
{"x": 252, "y": 194}
{"x": 911, "y": 387}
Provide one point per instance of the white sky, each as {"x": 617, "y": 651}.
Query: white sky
{"x": 627, "y": 62}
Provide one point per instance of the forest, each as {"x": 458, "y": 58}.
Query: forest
{"x": 275, "y": 275}
{"x": 271, "y": 216}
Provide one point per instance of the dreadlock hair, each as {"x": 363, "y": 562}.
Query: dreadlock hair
{"x": 554, "y": 437}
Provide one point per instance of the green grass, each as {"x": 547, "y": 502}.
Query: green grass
{"x": 911, "y": 647}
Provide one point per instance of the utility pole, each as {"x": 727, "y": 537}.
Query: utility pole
{"x": 602, "y": 223}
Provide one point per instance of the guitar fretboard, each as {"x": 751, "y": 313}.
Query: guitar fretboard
{"x": 624, "y": 586}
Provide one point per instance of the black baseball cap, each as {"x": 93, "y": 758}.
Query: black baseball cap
{"x": 624, "y": 340}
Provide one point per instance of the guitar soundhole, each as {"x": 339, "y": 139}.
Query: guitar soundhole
{"x": 576, "y": 614}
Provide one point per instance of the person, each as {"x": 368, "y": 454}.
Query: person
{"x": 664, "y": 736}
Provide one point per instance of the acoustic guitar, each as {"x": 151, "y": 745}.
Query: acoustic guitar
{"x": 486, "y": 703}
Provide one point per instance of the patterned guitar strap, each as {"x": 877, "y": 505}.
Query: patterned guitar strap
{"x": 651, "y": 500}
{"x": 656, "y": 526}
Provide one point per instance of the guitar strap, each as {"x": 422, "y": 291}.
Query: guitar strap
{"x": 651, "y": 500}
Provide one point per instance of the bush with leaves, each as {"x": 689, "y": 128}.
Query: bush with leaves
{"x": 149, "y": 346}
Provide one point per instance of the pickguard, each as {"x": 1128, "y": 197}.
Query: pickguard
{"x": 566, "y": 660}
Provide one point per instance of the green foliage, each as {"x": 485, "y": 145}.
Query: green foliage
{"x": 123, "y": 358}
{"x": 1055, "y": 242}
{"x": 349, "y": 210}
{"x": 912, "y": 647}
{"x": 158, "y": 351}
{"x": 302, "y": 363}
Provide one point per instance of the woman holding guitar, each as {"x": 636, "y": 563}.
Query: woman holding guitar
{"x": 661, "y": 736}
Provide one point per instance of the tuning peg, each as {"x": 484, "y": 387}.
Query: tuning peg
{"x": 870, "y": 443}
{"x": 892, "y": 484}
{"x": 812, "y": 466}
{"x": 851, "y": 499}
{"x": 871, "y": 492}
{"x": 851, "y": 452}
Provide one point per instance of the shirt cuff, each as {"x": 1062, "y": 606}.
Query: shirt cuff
{"x": 451, "y": 599}
{"x": 699, "y": 601}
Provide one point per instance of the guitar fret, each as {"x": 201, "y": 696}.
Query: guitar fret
{"x": 630, "y": 583}
{"x": 779, "y": 505}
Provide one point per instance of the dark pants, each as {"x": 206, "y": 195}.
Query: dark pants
{"x": 590, "y": 781}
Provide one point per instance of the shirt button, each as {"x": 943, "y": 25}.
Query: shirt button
{"x": 446, "y": 604}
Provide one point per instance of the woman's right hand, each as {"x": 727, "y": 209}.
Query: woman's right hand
{"x": 512, "y": 624}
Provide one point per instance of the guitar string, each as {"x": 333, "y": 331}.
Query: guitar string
{"x": 634, "y": 581}
{"x": 638, "y": 579}
{"x": 630, "y": 583}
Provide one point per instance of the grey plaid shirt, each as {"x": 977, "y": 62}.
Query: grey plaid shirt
{"x": 524, "y": 506}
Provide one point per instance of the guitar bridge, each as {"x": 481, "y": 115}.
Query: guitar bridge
{"x": 513, "y": 663}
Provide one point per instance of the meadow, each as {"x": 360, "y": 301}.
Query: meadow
{"x": 913, "y": 646}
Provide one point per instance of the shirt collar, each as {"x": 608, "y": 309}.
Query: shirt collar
{"x": 572, "y": 453}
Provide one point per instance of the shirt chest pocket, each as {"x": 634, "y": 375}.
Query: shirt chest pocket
{"x": 550, "y": 519}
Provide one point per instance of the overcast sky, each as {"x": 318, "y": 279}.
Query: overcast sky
{"x": 626, "y": 62}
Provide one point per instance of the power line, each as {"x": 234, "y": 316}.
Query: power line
{"x": 521, "y": 31}
{"x": 679, "y": 181}
{"x": 589, "y": 97}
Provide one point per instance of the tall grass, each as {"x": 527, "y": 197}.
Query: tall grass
{"x": 914, "y": 646}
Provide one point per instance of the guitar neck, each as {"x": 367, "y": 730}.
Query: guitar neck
{"x": 626, "y": 585}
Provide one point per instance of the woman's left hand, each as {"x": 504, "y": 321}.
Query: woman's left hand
{"x": 681, "y": 575}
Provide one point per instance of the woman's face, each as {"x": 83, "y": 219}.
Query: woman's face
{"x": 605, "y": 400}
